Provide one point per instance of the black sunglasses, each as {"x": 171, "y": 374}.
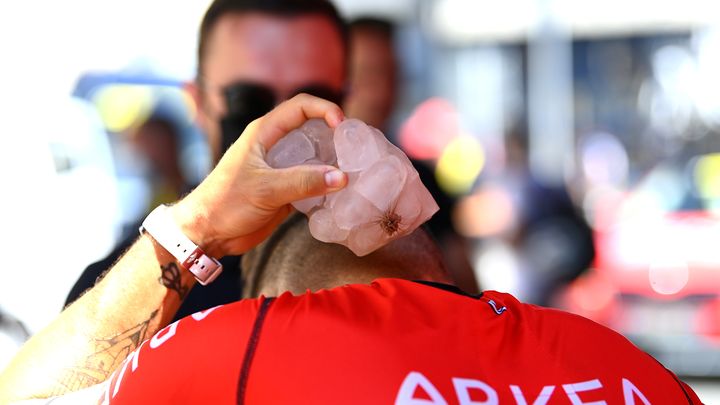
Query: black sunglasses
{"x": 247, "y": 101}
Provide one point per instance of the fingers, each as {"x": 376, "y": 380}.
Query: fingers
{"x": 292, "y": 114}
{"x": 300, "y": 182}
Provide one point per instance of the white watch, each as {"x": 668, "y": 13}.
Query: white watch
{"x": 160, "y": 225}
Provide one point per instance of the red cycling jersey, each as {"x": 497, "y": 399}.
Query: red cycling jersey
{"x": 394, "y": 341}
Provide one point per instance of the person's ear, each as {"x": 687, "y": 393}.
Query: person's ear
{"x": 195, "y": 92}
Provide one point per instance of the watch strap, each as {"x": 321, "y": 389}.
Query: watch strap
{"x": 160, "y": 225}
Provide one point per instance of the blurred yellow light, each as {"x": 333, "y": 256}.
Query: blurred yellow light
{"x": 123, "y": 106}
{"x": 459, "y": 165}
{"x": 707, "y": 176}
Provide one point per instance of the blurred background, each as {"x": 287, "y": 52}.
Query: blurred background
{"x": 577, "y": 144}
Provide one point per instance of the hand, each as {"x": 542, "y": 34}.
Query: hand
{"x": 243, "y": 199}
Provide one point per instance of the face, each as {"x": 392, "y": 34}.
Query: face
{"x": 158, "y": 143}
{"x": 372, "y": 78}
{"x": 283, "y": 54}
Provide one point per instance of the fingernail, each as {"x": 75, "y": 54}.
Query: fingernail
{"x": 334, "y": 179}
{"x": 336, "y": 119}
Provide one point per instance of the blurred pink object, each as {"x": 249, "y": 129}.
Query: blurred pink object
{"x": 430, "y": 128}
{"x": 384, "y": 199}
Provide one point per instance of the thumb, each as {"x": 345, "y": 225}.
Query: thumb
{"x": 299, "y": 182}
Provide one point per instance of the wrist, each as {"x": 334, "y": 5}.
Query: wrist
{"x": 174, "y": 230}
{"x": 193, "y": 221}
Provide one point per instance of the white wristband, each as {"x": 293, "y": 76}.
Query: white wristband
{"x": 160, "y": 225}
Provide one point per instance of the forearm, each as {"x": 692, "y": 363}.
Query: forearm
{"x": 92, "y": 337}
{"x": 238, "y": 205}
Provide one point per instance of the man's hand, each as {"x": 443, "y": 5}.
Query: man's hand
{"x": 237, "y": 206}
{"x": 243, "y": 199}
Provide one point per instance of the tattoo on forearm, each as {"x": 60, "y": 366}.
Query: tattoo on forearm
{"x": 172, "y": 279}
{"x": 108, "y": 355}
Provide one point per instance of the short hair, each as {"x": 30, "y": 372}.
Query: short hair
{"x": 292, "y": 260}
{"x": 282, "y": 8}
{"x": 378, "y": 25}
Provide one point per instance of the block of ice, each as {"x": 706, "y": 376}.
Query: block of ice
{"x": 308, "y": 204}
{"x": 381, "y": 183}
{"x": 321, "y": 136}
{"x": 352, "y": 210}
{"x": 324, "y": 228}
{"x": 384, "y": 199}
{"x": 355, "y": 146}
{"x": 293, "y": 149}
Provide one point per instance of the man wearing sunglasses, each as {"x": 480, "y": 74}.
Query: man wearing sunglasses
{"x": 252, "y": 54}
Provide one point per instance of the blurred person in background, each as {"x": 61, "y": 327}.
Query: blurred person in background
{"x": 552, "y": 238}
{"x": 390, "y": 341}
{"x": 373, "y": 87}
{"x": 252, "y": 54}
{"x": 157, "y": 141}
{"x": 373, "y": 71}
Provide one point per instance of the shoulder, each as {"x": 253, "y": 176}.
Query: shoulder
{"x": 555, "y": 334}
{"x": 550, "y": 323}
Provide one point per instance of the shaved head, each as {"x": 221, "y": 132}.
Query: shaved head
{"x": 292, "y": 260}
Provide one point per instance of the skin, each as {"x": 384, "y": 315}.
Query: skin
{"x": 237, "y": 206}
{"x": 142, "y": 292}
{"x": 104, "y": 325}
{"x": 274, "y": 282}
{"x": 281, "y": 53}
